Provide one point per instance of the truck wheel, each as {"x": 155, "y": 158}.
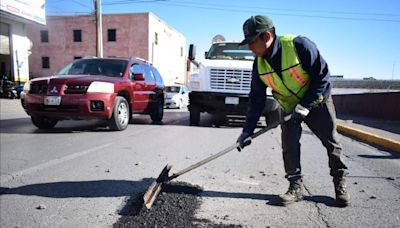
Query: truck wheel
{"x": 220, "y": 119}
{"x": 43, "y": 122}
{"x": 157, "y": 112}
{"x": 120, "y": 117}
{"x": 194, "y": 115}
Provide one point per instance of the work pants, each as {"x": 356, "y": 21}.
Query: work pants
{"x": 322, "y": 122}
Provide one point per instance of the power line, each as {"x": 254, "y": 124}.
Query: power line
{"x": 238, "y": 8}
{"x": 51, "y": 9}
{"x": 285, "y": 9}
{"x": 79, "y": 3}
{"x": 56, "y": 13}
{"x": 280, "y": 14}
{"x": 132, "y": 1}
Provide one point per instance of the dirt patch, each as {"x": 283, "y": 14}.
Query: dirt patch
{"x": 175, "y": 206}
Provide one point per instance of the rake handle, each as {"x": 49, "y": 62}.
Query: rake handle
{"x": 219, "y": 154}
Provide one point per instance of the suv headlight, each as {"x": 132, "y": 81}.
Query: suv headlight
{"x": 101, "y": 87}
{"x": 27, "y": 86}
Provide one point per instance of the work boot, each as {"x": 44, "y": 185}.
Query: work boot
{"x": 294, "y": 193}
{"x": 342, "y": 196}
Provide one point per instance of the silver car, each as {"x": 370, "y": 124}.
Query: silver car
{"x": 176, "y": 96}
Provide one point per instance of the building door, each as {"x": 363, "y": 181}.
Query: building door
{"x": 5, "y": 54}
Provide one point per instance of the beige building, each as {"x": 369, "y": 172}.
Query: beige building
{"x": 15, "y": 16}
{"x": 143, "y": 35}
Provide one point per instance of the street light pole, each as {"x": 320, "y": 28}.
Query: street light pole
{"x": 99, "y": 28}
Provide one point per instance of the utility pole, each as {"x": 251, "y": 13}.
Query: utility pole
{"x": 99, "y": 28}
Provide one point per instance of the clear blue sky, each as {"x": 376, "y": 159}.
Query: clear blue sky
{"x": 358, "y": 38}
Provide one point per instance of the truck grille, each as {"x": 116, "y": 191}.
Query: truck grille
{"x": 227, "y": 79}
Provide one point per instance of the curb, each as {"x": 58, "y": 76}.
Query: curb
{"x": 370, "y": 138}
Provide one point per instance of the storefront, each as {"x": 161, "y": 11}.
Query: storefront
{"x": 14, "y": 44}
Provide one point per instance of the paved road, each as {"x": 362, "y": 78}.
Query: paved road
{"x": 81, "y": 175}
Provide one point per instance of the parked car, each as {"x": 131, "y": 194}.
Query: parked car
{"x": 176, "y": 96}
{"x": 102, "y": 88}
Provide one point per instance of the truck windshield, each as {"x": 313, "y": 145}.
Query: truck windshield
{"x": 229, "y": 51}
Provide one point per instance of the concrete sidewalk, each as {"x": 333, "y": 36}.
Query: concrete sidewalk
{"x": 383, "y": 133}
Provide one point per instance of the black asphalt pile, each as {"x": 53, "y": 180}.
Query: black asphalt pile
{"x": 175, "y": 206}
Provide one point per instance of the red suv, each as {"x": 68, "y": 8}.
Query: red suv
{"x": 101, "y": 88}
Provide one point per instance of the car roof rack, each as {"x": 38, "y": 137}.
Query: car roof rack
{"x": 140, "y": 59}
{"x": 89, "y": 57}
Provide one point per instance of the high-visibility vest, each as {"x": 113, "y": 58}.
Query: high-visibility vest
{"x": 294, "y": 83}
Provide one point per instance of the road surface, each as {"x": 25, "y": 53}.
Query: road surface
{"x": 80, "y": 174}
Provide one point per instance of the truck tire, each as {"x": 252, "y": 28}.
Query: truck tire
{"x": 43, "y": 122}
{"x": 194, "y": 115}
{"x": 157, "y": 112}
{"x": 120, "y": 118}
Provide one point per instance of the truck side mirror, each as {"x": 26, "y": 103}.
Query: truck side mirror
{"x": 192, "y": 52}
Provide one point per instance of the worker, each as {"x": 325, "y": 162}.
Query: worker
{"x": 300, "y": 81}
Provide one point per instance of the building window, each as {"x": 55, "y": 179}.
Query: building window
{"x": 181, "y": 51}
{"x": 155, "y": 38}
{"x": 45, "y": 62}
{"x": 44, "y": 36}
{"x": 112, "y": 35}
{"x": 78, "y": 35}
{"x": 77, "y": 57}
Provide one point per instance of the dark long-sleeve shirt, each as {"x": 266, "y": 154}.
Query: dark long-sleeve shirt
{"x": 311, "y": 61}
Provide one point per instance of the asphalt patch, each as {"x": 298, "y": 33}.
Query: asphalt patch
{"x": 175, "y": 206}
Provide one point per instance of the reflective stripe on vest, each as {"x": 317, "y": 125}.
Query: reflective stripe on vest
{"x": 294, "y": 83}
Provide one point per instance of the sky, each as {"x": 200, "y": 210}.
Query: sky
{"x": 357, "y": 38}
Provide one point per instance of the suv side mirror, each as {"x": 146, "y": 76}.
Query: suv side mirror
{"x": 192, "y": 52}
{"x": 138, "y": 77}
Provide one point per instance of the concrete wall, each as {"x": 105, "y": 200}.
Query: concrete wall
{"x": 376, "y": 105}
{"x": 134, "y": 37}
{"x": 169, "y": 54}
{"x": 366, "y": 84}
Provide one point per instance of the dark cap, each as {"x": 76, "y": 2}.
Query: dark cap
{"x": 254, "y": 26}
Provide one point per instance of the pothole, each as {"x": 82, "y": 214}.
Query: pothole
{"x": 175, "y": 206}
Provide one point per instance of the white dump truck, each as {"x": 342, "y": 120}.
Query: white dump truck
{"x": 223, "y": 80}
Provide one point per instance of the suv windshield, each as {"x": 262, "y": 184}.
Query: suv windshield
{"x": 106, "y": 67}
{"x": 229, "y": 51}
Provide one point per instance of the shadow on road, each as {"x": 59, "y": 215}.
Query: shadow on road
{"x": 328, "y": 201}
{"x": 178, "y": 118}
{"x": 121, "y": 188}
{"x": 391, "y": 155}
{"x": 80, "y": 189}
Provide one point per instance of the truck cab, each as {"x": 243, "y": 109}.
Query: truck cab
{"x": 223, "y": 80}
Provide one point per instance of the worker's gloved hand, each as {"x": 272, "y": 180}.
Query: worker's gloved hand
{"x": 298, "y": 114}
{"x": 243, "y": 140}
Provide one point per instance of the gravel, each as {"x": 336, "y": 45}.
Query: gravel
{"x": 175, "y": 206}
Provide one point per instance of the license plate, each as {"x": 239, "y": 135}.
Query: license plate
{"x": 52, "y": 100}
{"x": 232, "y": 100}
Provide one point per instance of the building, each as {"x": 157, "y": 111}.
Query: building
{"x": 14, "y": 44}
{"x": 143, "y": 35}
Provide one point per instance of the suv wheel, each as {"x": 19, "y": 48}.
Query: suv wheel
{"x": 157, "y": 112}
{"x": 194, "y": 115}
{"x": 120, "y": 117}
{"x": 43, "y": 122}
